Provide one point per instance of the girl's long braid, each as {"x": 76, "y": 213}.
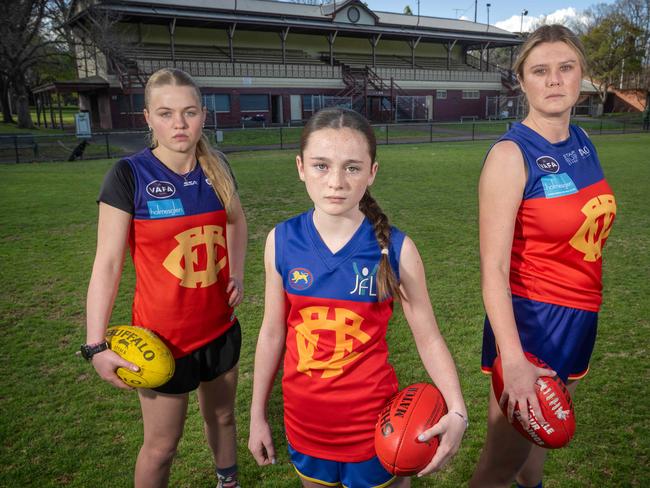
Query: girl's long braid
{"x": 387, "y": 283}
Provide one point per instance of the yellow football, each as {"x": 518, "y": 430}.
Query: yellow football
{"x": 144, "y": 349}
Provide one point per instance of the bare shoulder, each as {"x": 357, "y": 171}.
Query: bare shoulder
{"x": 270, "y": 239}
{"x": 505, "y": 165}
{"x": 505, "y": 152}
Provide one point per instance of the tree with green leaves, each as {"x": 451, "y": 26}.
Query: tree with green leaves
{"x": 612, "y": 49}
{"x": 407, "y": 10}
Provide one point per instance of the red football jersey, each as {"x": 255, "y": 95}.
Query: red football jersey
{"x": 563, "y": 222}
{"x": 178, "y": 245}
{"x": 336, "y": 376}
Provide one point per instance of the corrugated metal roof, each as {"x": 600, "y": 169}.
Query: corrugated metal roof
{"x": 438, "y": 23}
{"x": 287, "y": 12}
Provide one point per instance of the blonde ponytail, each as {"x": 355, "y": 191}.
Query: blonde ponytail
{"x": 217, "y": 171}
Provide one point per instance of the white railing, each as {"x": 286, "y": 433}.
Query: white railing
{"x": 253, "y": 70}
{"x": 404, "y": 74}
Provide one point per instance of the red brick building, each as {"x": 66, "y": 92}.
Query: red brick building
{"x": 276, "y": 62}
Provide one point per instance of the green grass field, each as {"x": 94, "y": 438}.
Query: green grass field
{"x": 62, "y": 426}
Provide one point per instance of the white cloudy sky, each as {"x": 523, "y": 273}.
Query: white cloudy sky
{"x": 505, "y": 14}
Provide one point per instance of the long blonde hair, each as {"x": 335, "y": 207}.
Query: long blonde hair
{"x": 338, "y": 118}
{"x": 212, "y": 163}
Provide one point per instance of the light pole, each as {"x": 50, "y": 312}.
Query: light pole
{"x": 521, "y": 25}
{"x": 488, "y": 5}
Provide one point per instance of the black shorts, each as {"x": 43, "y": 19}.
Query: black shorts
{"x": 205, "y": 363}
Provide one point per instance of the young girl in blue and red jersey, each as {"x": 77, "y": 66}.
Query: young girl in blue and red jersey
{"x": 545, "y": 213}
{"x": 332, "y": 276}
{"x": 176, "y": 206}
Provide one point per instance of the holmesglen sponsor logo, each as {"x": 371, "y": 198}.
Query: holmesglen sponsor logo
{"x": 558, "y": 185}
{"x": 165, "y": 208}
{"x": 161, "y": 189}
{"x": 548, "y": 164}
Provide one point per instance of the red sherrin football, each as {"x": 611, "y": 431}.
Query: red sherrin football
{"x": 407, "y": 414}
{"x": 555, "y": 402}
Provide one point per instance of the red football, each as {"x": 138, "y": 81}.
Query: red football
{"x": 407, "y": 414}
{"x": 555, "y": 402}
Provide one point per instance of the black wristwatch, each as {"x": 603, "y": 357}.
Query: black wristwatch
{"x": 89, "y": 350}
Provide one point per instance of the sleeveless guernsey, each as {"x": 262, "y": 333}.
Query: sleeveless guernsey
{"x": 336, "y": 371}
{"x": 565, "y": 216}
{"x": 178, "y": 245}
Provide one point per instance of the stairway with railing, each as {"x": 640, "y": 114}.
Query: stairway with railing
{"x": 361, "y": 84}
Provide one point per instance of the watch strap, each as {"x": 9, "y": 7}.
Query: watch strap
{"x": 89, "y": 350}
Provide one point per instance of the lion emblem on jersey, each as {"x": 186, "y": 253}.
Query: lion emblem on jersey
{"x": 300, "y": 278}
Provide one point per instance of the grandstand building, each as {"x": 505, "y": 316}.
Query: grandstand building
{"x": 272, "y": 62}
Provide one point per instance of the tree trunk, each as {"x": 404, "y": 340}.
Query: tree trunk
{"x": 22, "y": 107}
{"x": 4, "y": 100}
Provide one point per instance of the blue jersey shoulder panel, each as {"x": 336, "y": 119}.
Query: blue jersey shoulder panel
{"x": 162, "y": 193}
{"x": 309, "y": 268}
{"x": 556, "y": 169}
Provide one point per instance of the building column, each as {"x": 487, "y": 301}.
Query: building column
{"x": 413, "y": 43}
{"x": 172, "y": 43}
{"x": 331, "y": 37}
{"x": 231, "y": 34}
{"x": 374, "y": 40}
{"x": 449, "y": 47}
{"x": 58, "y": 105}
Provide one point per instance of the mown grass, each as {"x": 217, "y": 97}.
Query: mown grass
{"x": 62, "y": 426}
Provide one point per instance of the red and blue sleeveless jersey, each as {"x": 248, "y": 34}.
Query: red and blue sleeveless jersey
{"x": 565, "y": 216}
{"x": 178, "y": 244}
{"x": 336, "y": 371}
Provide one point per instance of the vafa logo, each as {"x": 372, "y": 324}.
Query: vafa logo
{"x": 548, "y": 164}
{"x": 161, "y": 189}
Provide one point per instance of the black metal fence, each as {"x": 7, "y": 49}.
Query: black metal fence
{"x": 21, "y": 148}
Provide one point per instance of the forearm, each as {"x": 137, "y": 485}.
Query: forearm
{"x": 440, "y": 366}
{"x": 102, "y": 290}
{"x": 237, "y": 242}
{"x": 497, "y": 299}
{"x": 267, "y": 360}
{"x": 237, "y": 238}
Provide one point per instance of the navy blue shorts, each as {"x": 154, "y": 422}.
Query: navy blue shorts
{"x": 365, "y": 474}
{"x": 205, "y": 363}
{"x": 560, "y": 336}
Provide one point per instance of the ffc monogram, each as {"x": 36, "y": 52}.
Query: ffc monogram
{"x": 195, "y": 260}
{"x": 600, "y": 212}
{"x": 346, "y": 326}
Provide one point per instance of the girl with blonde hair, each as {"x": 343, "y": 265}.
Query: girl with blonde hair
{"x": 175, "y": 205}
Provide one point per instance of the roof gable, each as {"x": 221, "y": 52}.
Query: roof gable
{"x": 349, "y": 12}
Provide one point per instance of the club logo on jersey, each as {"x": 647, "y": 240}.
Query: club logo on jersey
{"x": 548, "y": 164}
{"x": 161, "y": 189}
{"x": 571, "y": 158}
{"x": 364, "y": 281}
{"x": 599, "y": 216}
{"x": 300, "y": 278}
{"x": 346, "y": 326}
{"x": 195, "y": 260}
